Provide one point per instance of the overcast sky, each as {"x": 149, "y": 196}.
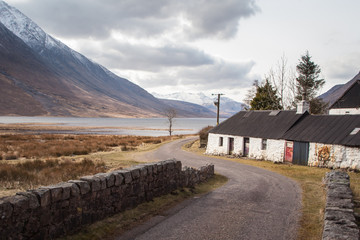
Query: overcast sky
{"x": 208, "y": 46}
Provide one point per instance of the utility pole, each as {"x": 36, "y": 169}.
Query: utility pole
{"x": 217, "y": 103}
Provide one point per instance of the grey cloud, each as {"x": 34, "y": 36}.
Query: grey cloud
{"x": 95, "y": 18}
{"x": 343, "y": 68}
{"x": 218, "y": 18}
{"x": 219, "y": 75}
{"x": 139, "y": 18}
{"x": 146, "y": 58}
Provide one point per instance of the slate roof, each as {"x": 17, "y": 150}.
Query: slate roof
{"x": 328, "y": 129}
{"x": 259, "y": 124}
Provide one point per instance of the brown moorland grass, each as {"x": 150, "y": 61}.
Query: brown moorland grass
{"x": 55, "y": 145}
{"x": 45, "y": 159}
{"x": 310, "y": 181}
{"x": 31, "y": 174}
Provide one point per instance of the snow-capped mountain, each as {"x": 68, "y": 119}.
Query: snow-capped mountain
{"x": 228, "y": 107}
{"x": 28, "y": 31}
{"x": 198, "y": 98}
{"x": 40, "y": 75}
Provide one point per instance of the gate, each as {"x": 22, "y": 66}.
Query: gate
{"x": 301, "y": 153}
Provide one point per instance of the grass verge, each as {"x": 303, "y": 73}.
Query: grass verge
{"x": 118, "y": 224}
{"x": 313, "y": 193}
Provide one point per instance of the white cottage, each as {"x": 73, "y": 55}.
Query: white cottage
{"x": 253, "y": 134}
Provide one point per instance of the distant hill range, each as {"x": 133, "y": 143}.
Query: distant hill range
{"x": 228, "y": 107}
{"x": 40, "y": 75}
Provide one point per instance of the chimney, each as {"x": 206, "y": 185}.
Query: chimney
{"x": 302, "y": 107}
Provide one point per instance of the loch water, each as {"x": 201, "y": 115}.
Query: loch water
{"x": 117, "y": 126}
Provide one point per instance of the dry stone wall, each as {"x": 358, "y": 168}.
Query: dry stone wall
{"x": 53, "y": 211}
{"x": 339, "y": 211}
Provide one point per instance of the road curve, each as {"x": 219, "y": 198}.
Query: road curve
{"x": 254, "y": 204}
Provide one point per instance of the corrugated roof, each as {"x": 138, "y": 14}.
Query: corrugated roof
{"x": 328, "y": 129}
{"x": 260, "y": 124}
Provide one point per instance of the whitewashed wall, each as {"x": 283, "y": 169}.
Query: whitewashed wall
{"x": 213, "y": 147}
{"x": 274, "y": 150}
{"x": 255, "y": 149}
{"x": 320, "y": 155}
{"x": 334, "y": 156}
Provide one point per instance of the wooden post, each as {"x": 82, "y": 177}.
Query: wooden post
{"x": 218, "y": 107}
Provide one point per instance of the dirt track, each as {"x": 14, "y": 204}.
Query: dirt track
{"x": 254, "y": 204}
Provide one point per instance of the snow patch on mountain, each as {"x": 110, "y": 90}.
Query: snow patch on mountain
{"x": 197, "y": 98}
{"x": 36, "y": 38}
{"x": 21, "y": 26}
{"x": 228, "y": 106}
{"x": 27, "y": 30}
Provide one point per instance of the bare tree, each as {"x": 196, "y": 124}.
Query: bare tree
{"x": 251, "y": 94}
{"x": 283, "y": 79}
{"x": 170, "y": 115}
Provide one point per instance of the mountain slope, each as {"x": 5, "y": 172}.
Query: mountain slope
{"x": 228, "y": 107}
{"x": 187, "y": 109}
{"x": 41, "y": 76}
{"x": 17, "y": 95}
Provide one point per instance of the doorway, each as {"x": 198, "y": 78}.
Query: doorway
{"x": 231, "y": 146}
{"x": 301, "y": 153}
{"x": 289, "y": 147}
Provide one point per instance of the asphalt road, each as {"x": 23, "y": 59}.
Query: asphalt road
{"x": 254, "y": 204}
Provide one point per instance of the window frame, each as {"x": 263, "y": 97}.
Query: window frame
{"x": 263, "y": 143}
{"x": 221, "y": 141}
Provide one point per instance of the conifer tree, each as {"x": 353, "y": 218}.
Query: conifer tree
{"x": 308, "y": 84}
{"x": 265, "y": 98}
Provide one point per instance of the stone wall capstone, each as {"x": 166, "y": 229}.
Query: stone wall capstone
{"x": 339, "y": 219}
{"x": 61, "y": 209}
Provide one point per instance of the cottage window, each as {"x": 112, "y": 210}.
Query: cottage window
{"x": 263, "y": 144}
{"x": 221, "y": 141}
